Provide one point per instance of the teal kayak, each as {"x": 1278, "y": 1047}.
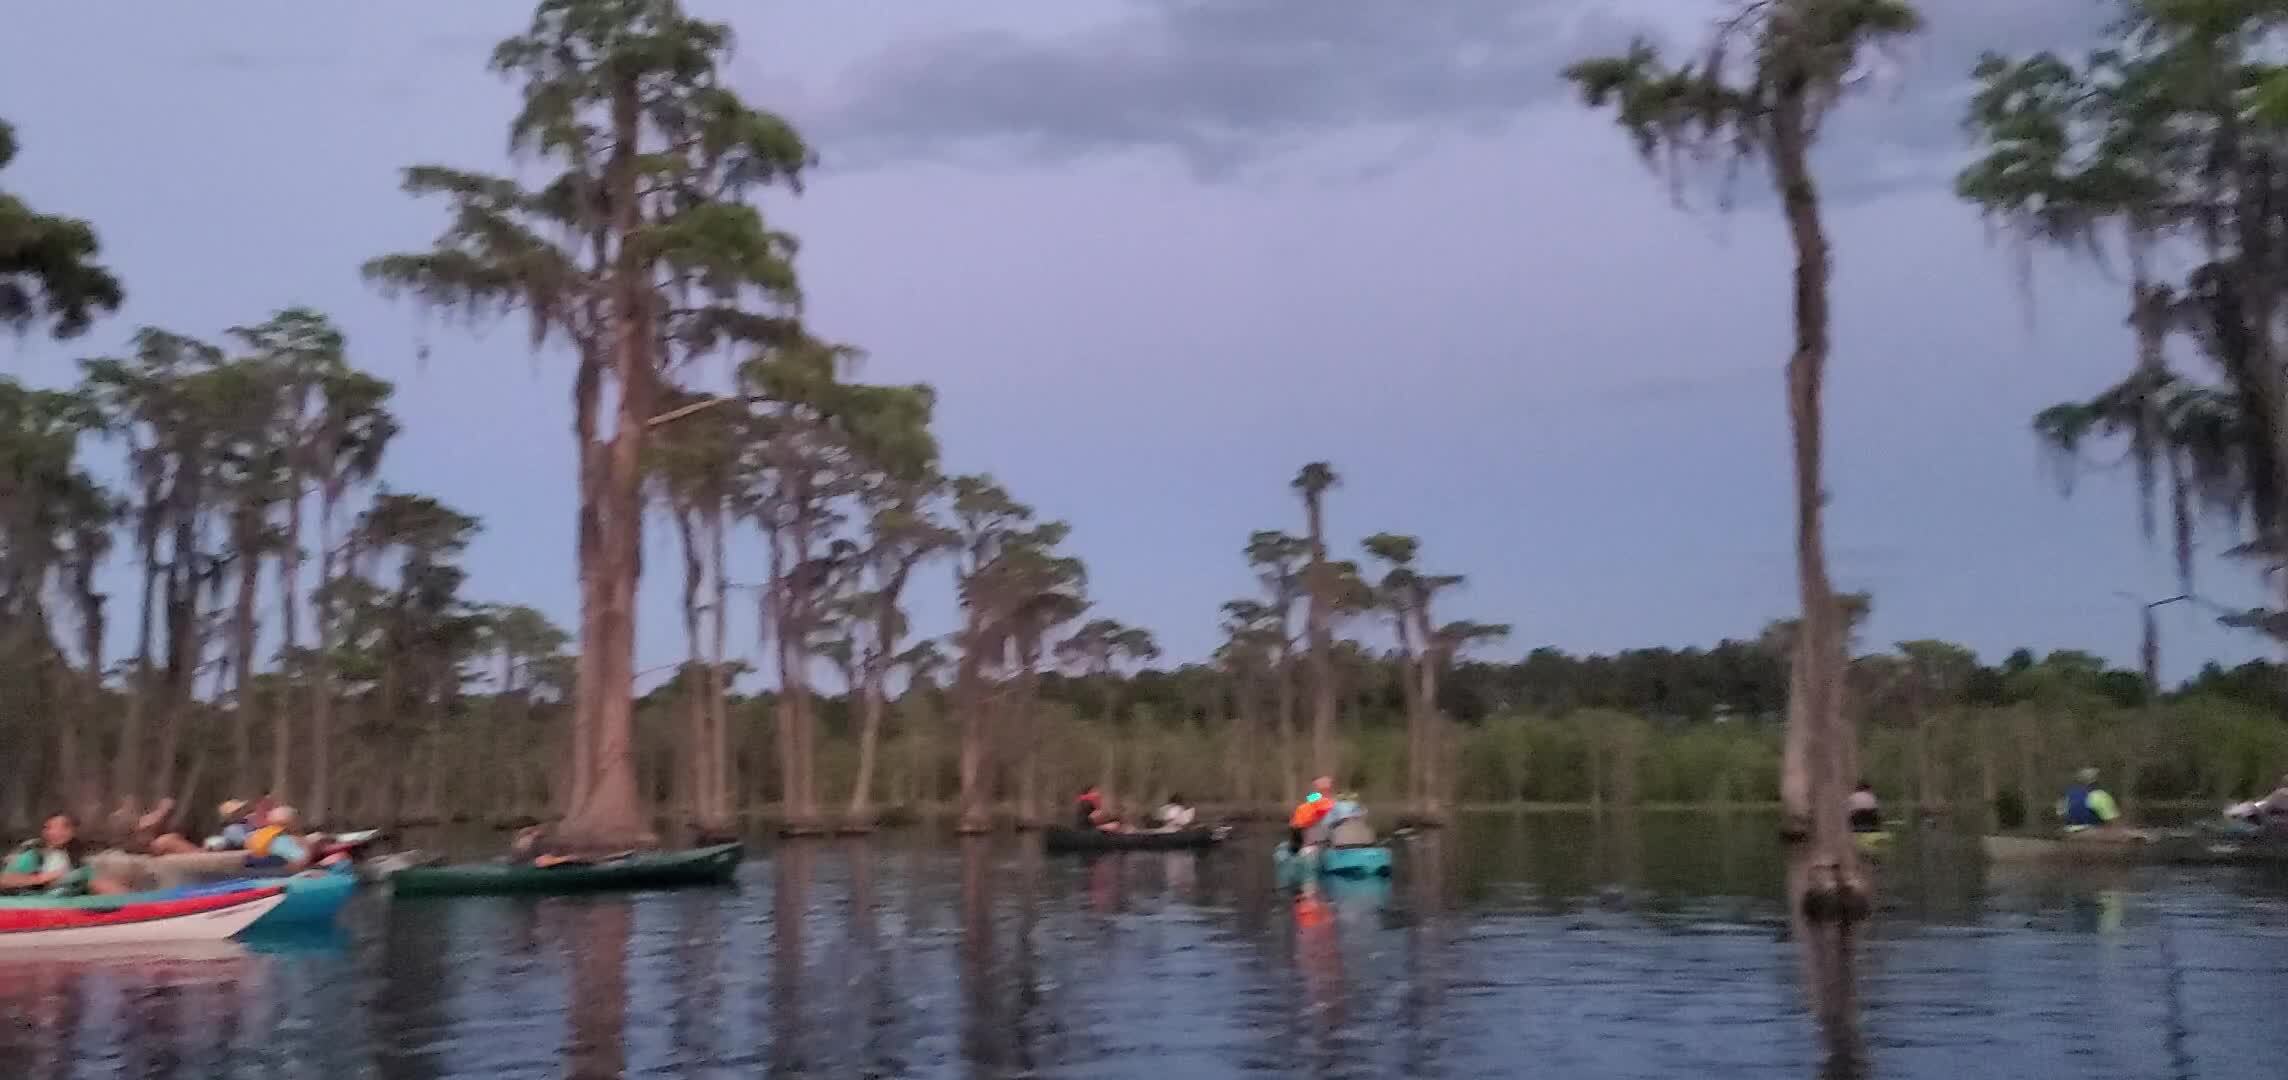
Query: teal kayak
{"x": 1372, "y": 860}
{"x": 642, "y": 870}
{"x": 312, "y": 899}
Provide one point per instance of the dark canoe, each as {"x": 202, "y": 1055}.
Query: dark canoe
{"x": 646, "y": 870}
{"x": 1061, "y": 838}
{"x": 2195, "y": 848}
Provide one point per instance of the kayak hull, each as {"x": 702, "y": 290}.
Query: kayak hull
{"x": 652, "y": 870}
{"x": 1063, "y": 839}
{"x": 2132, "y": 848}
{"x": 62, "y": 922}
{"x": 311, "y": 900}
{"x": 1366, "y": 861}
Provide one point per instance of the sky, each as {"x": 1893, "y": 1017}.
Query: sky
{"x": 1157, "y": 254}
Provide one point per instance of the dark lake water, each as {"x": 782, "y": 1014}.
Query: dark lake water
{"x": 1650, "y": 945}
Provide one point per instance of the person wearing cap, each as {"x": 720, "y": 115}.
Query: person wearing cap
{"x": 237, "y": 826}
{"x": 2086, "y": 805}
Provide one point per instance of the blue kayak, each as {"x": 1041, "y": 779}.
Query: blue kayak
{"x": 312, "y": 899}
{"x": 1372, "y": 860}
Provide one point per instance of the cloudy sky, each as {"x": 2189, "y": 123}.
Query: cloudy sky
{"x": 1156, "y": 254}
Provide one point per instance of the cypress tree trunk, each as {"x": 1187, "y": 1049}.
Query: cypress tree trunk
{"x": 1825, "y": 875}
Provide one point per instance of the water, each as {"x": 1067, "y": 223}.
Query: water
{"x": 1532, "y": 945}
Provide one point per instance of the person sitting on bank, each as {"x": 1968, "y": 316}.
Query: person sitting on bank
{"x": 53, "y": 864}
{"x": 1174, "y": 814}
{"x": 2086, "y": 805}
{"x": 1865, "y": 809}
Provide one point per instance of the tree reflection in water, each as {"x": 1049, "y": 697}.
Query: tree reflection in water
{"x": 790, "y": 908}
{"x": 595, "y": 936}
{"x": 990, "y": 1042}
{"x": 1826, "y": 957}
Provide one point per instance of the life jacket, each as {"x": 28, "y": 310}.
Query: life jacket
{"x": 258, "y": 844}
{"x": 1308, "y": 812}
{"x": 2079, "y": 813}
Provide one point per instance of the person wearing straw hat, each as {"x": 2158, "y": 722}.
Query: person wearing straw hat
{"x": 237, "y": 826}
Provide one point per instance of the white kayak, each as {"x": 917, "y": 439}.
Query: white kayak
{"x": 83, "y": 922}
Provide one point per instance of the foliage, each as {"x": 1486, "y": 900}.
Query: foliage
{"x": 48, "y": 268}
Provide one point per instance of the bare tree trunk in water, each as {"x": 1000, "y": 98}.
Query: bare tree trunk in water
{"x": 719, "y": 775}
{"x": 1290, "y": 756}
{"x": 975, "y": 817}
{"x": 1989, "y": 778}
{"x": 606, "y": 810}
{"x": 242, "y": 776}
{"x": 290, "y": 637}
{"x": 697, "y": 763}
{"x": 127, "y": 776}
{"x": 1437, "y": 740}
{"x": 872, "y": 703}
{"x": 1819, "y": 740}
{"x": 1028, "y": 727}
{"x": 321, "y": 768}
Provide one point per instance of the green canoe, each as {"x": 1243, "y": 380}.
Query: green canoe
{"x": 645, "y": 870}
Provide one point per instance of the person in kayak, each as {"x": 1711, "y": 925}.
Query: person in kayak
{"x": 1175, "y": 814}
{"x": 2271, "y": 811}
{"x": 531, "y": 845}
{"x": 1346, "y": 822}
{"x": 278, "y": 840}
{"x": 53, "y": 863}
{"x": 2086, "y": 805}
{"x": 1306, "y": 826}
{"x": 237, "y": 825}
{"x": 147, "y": 834}
{"x": 1088, "y": 807}
{"x": 1865, "y": 809}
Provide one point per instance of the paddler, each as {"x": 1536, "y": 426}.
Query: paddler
{"x": 237, "y": 825}
{"x": 2271, "y": 811}
{"x": 1088, "y": 808}
{"x": 1346, "y": 822}
{"x": 278, "y": 840}
{"x": 1865, "y": 810}
{"x": 2087, "y": 806}
{"x": 1304, "y": 826}
{"x": 52, "y": 863}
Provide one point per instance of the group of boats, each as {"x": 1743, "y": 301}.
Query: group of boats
{"x": 212, "y": 896}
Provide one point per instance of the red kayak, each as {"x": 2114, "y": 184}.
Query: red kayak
{"x": 87, "y": 920}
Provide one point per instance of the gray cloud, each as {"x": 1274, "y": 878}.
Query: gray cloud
{"x": 1226, "y": 85}
{"x": 1222, "y": 83}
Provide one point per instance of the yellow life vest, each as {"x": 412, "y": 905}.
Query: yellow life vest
{"x": 258, "y": 844}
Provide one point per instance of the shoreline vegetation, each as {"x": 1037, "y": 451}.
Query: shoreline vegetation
{"x": 302, "y": 627}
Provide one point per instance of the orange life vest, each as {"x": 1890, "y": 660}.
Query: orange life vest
{"x": 1308, "y": 813}
{"x": 258, "y": 844}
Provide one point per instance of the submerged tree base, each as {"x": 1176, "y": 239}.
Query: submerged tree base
{"x": 1827, "y": 892}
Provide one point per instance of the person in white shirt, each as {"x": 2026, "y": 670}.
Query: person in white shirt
{"x": 1175, "y": 813}
{"x": 1865, "y": 810}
